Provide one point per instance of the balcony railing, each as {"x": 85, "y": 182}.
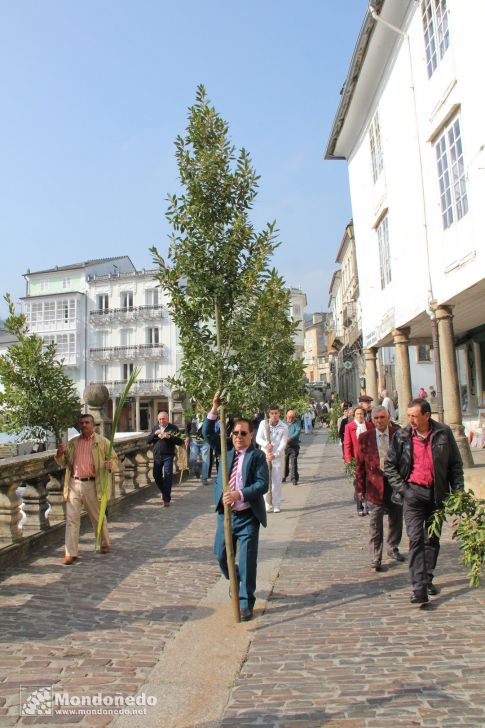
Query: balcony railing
{"x": 143, "y": 387}
{"x": 135, "y": 351}
{"x": 103, "y": 316}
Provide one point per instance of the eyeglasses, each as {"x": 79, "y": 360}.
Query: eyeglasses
{"x": 240, "y": 433}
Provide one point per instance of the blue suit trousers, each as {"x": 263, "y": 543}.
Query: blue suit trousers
{"x": 245, "y": 532}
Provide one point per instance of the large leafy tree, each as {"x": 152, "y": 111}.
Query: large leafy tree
{"x": 217, "y": 263}
{"x": 37, "y": 395}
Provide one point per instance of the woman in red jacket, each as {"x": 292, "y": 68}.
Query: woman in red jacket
{"x": 352, "y": 432}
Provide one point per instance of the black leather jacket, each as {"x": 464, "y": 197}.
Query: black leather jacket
{"x": 166, "y": 447}
{"x": 448, "y": 465}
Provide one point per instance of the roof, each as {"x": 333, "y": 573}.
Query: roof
{"x": 350, "y": 84}
{"x": 349, "y": 233}
{"x": 74, "y": 266}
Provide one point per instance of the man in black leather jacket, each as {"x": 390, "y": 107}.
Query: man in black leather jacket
{"x": 423, "y": 465}
{"x": 164, "y": 437}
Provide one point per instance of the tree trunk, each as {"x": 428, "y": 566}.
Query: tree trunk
{"x": 269, "y": 495}
{"x": 231, "y": 566}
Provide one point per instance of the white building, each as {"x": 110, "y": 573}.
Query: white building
{"x": 298, "y": 303}
{"x": 107, "y": 318}
{"x": 411, "y": 126}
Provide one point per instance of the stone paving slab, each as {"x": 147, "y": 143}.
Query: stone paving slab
{"x": 340, "y": 645}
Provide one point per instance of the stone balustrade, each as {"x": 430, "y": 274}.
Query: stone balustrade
{"x": 32, "y": 509}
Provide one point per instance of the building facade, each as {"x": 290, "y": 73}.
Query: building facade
{"x": 106, "y": 319}
{"x": 298, "y": 303}
{"x": 410, "y": 125}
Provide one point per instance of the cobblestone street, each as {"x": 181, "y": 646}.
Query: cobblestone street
{"x": 332, "y": 644}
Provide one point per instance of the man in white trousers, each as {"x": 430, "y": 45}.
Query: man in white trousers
{"x": 274, "y": 450}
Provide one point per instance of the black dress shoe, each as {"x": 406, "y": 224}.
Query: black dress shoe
{"x": 433, "y": 590}
{"x": 246, "y": 614}
{"x": 419, "y": 598}
{"x": 376, "y": 566}
{"x": 396, "y": 555}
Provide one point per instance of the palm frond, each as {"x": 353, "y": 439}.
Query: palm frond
{"x": 106, "y": 476}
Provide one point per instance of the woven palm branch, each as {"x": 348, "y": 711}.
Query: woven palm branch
{"x": 106, "y": 476}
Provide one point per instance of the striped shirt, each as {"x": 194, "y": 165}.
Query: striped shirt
{"x": 83, "y": 463}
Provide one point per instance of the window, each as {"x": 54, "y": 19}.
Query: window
{"x": 296, "y": 309}
{"x": 65, "y": 343}
{"x": 127, "y": 299}
{"x": 436, "y": 32}
{"x": 103, "y": 302}
{"x": 451, "y": 175}
{"x": 151, "y": 297}
{"x": 384, "y": 252}
{"x": 153, "y": 335}
{"x": 126, "y": 337}
{"x": 127, "y": 371}
{"x": 49, "y": 311}
{"x": 66, "y": 282}
{"x": 36, "y": 313}
{"x": 423, "y": 353}
{"x": 44, "y": 285}
{"x": 65, "y": 310}
{"x": 376, "y": 148}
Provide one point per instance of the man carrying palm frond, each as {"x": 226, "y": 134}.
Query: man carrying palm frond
{"x": 86, "y": 461}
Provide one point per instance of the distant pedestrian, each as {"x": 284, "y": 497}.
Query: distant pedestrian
{"x": 422, "y": 393}
{"x": 373, "y": 487}
{"x": 198, "y": 447}
{"x": 86, "y": 460}
{"x": 423, "y": 465}
{"x": 388, "y": 404}
{"x": 292, "y": 447}
{"x": 164, "y": 436}
{"x": 432, "y": 392}
{"x": 365, "y": 401}
{"x": 307, "y": 420}
{"x": 342, "y": 423}
{"x": 352, "y": 432}
{"x": 274, "y": 449}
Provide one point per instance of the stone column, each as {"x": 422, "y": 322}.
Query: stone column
{"x": 137, "y": 414}
{"x": 371, "y": 374}
{"x": 10, "y": 513}
{"x": 35, "y": 506}
{"x": 403, "y": 372}
{"x": 451, "y": 387}
{"x": 178, "y": 399}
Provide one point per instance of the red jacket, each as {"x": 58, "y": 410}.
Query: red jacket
{"x": 369, "y": 476}
{"x": 350, "y": 439}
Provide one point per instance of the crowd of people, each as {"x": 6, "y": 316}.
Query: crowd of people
{"x": 400, "y": 473}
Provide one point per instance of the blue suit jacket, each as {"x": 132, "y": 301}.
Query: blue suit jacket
{"x": 255, "y": 473}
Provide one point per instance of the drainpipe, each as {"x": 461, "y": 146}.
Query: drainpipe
{"x": 431, "y": 300}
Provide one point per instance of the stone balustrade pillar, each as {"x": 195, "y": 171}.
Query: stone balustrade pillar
{"x": 141, "y": 473}
{"x": 10, "y": 513}
{"x": 449, "y": 377}
{"x": 55, "y": 488}
{"x": 35, "y": 506}
{"x": 403, "y": 372}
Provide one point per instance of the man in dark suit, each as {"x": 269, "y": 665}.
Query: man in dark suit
{"x": 164, "y": 437}
{"x": 372, "y": 447}
{"x": 248, "y": 482}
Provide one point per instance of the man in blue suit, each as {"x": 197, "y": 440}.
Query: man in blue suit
{"x": 248, "y": 482}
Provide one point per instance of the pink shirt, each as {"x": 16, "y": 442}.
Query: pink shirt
{"x": 422, "y": 472}
{"x": 83, "y": 465}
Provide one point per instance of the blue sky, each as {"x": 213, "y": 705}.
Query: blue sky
{"x": 95, "y": 92}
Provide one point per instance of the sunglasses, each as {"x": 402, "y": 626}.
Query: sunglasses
{"x": 241, "y": 433}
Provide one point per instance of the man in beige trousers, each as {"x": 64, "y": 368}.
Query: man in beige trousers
{"x": 85, "y": 460}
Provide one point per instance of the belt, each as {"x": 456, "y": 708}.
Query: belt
{"x": 421, "y": 485}
{"x": 85, "y": 480}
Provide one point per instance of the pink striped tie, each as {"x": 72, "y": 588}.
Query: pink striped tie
{"x": 233, "y": 475}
